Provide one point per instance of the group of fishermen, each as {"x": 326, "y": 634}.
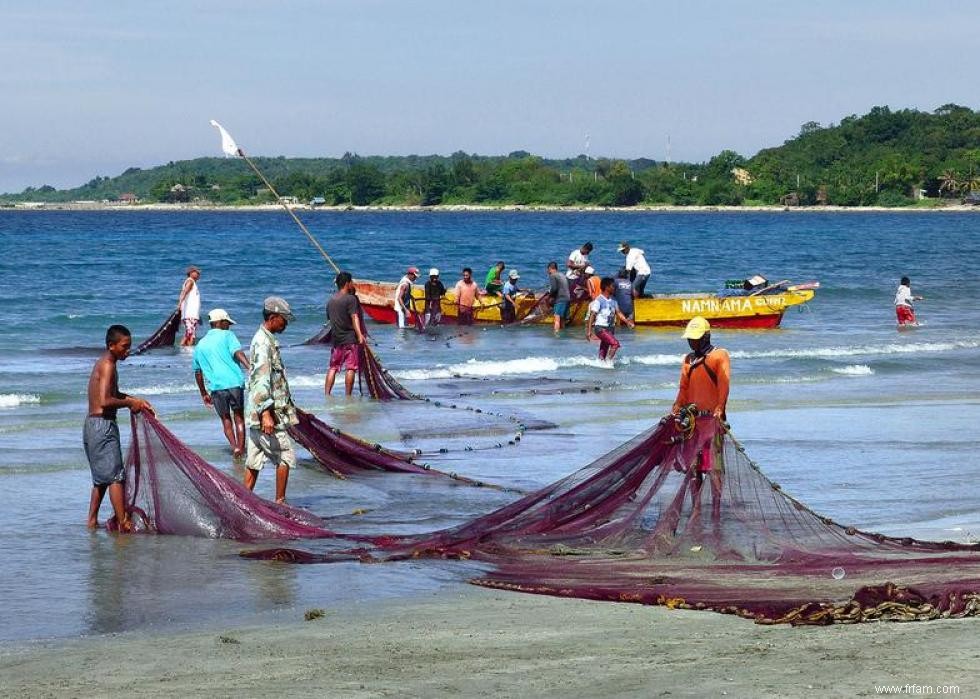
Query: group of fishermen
{"x": 610, "y": 298}
{"x": 251, "y": 395}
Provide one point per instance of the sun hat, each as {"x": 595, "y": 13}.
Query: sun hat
{"x": 219, "y": 314}
{"x": 622, "y": 246}
{"x": 696, "y": 329}
{"x": 514, "y": 274}
{"x": 278, "y": 305}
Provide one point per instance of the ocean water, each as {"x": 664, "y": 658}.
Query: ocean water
{"x": 875, "y": 427}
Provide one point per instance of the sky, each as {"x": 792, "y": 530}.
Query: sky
{"x": 92, "y": 88}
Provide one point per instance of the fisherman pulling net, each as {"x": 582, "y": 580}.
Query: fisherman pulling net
{"x": 680, "y": 516}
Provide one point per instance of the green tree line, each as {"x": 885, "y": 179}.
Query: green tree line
{"x": 885, "y": 157}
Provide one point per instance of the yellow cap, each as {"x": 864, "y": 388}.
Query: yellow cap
{"x": 696, "y": 329}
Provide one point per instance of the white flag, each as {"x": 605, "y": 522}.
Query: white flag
{"x": 228, "y": 144}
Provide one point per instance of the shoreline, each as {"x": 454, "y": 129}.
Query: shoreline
{"x": 476, "y": 642}
{"x": 479, "y": 208}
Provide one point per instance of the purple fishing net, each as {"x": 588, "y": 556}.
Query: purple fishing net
{"x": 685, "y": 519}
{"x": 380, "y": 384}
{"x": 172, "y": 490}
{"x": 165, "y": 335}
{"x": 344, "y": 455}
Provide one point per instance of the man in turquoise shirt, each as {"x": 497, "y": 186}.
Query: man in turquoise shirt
{"x": 218, "y": 363}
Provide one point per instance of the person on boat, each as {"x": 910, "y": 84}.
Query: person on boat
{"x": 269, "y": 407}
{"x": 601, "y": 324}
{"x": 593, "y": 283}
{"x": 100, "y": 435}
{"x": 434, "y": 291}
{"x": 637, "y": 266}
{"x": 217, "y": 365}
{"x": 578, "y": 260}
{"x": 466, "y": 291}
{"x": 403, "y": 296}
{"x": 623, "y": 293}
{"x": 189, "y": 303}
{"x": 346, "y": 334}
{"x": 508, "y": 311}
{"x": 903, "y": 303}
{"x": 558, "y": 294}
{"x": 495, "y": 279}
{"x": 705, "y": 372}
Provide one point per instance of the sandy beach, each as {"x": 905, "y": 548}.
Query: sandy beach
{"x": 473, "y": 642}
{"x": 471, "y": 208}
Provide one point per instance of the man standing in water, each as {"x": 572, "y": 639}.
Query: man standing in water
{"x": 434, "y": 291}
{"x": 903, "y": 303}
{"x": 705, "y": 373}
{"x": 217, "y": 364}
{"x": 403, "y": 296}
{"x": 101, "y": 433}
{"x": 269, "y": 408}
{"x": 578, "y": 260}
{"x": 558, "y": 294}
{"x": 347, "y": 335}
{"x": 466, "y": 291}
{"x": 603, "y": 313}
{"x": 189, "y": 304}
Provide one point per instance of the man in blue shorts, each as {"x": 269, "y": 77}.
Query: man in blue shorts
{"x": 558, "y": 293}
{"x": 218, "y": 363}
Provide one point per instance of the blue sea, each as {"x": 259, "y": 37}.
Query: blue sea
{"x": 872, "y": 426}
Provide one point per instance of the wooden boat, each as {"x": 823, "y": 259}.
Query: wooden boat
{"x": 763, "y": 309}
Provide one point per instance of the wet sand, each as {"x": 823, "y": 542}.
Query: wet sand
{"x": 474, "y": 642}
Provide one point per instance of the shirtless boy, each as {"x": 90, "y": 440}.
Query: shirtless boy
{"x": 101, "y": 433}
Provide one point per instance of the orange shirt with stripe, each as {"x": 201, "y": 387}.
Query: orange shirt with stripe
{"x": 697, "y": 387}
{"x": 594, "y": 285}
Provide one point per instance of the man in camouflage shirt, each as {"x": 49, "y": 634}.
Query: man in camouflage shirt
{"x": 269, "y": 408}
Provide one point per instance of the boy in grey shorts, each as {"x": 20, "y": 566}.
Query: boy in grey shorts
{"x": 101, "y": 433}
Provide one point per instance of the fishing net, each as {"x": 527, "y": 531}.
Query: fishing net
{"x": 344, "y": 455}
{"x": 165, "y": 335}
{"x": 380, "y": 383}
{"x": 172, "y": 490}
{"x": 680, "y": 516}
{"x": 322, "y": 337}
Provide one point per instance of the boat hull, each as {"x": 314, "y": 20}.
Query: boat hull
{"x": 665, "y": 310}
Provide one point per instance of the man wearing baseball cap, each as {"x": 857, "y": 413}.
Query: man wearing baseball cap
{"x": 434, "y": 291}
{"x": 269, "y": 407}
{"x": 217, "y": 364}
{"x": 508, "y": 311}
{"x": 403, "y": 295}
{"x": 705, "y": 373}
{"x": 637, "y": 266}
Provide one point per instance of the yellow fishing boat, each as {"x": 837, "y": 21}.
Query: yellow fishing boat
{"x": 763, "y": 308}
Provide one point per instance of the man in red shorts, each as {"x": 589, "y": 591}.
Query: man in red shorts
{"x": 347, "y": 335}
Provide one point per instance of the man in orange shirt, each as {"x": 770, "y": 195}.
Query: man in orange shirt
{"x": 706, "y": 372}
{"x": 705, "y": 378}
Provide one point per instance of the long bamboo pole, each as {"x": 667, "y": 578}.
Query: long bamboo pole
{"x": 288, "y": 210}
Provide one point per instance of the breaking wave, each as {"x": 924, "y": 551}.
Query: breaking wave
{"x": 12, "y": 400}
{"x": 508, "y": 367}
{"x": 854, "y": 370}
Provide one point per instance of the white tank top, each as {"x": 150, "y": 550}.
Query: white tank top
{"x": 191, "y": 307}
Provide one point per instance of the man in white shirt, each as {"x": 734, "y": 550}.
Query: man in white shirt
{"x": 601, "y": 324}
{"x": 903, "y": 303}
{"x": 578, "y": 260}
{"x": 636, "y": 265}
{"x": 404, "y": 305}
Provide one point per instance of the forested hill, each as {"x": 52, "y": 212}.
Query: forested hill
{"x": 885, "y": 157}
